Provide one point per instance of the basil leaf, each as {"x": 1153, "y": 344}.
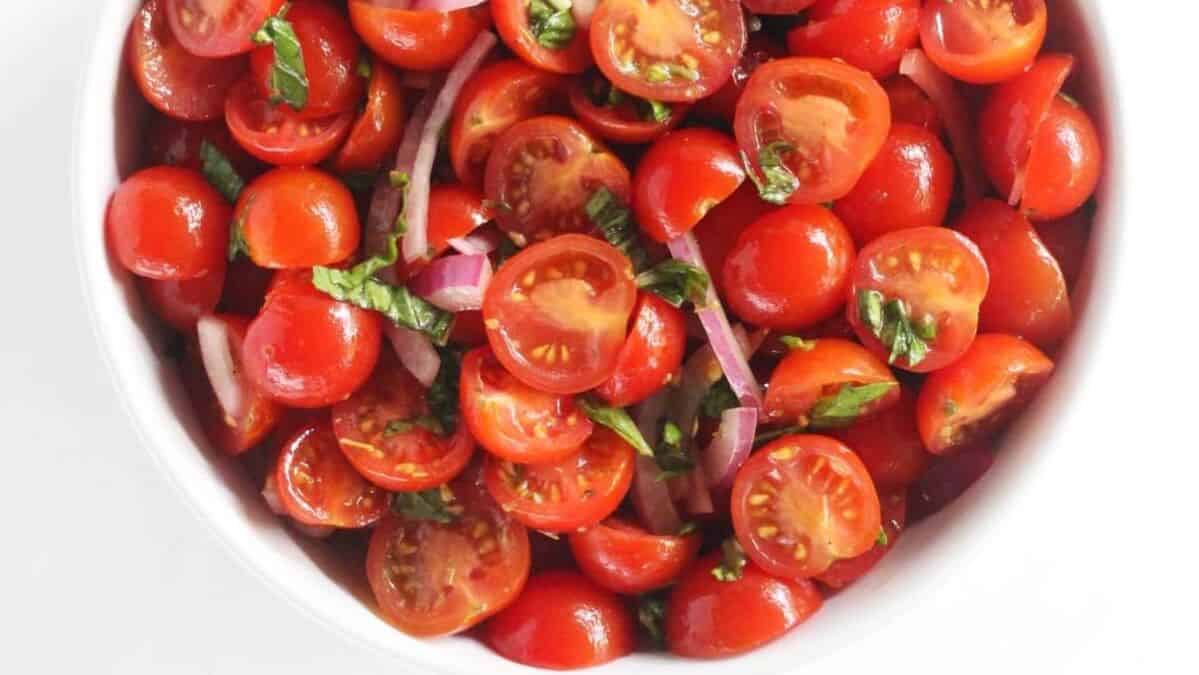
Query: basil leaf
{"x": 288, "y": 78}
{"x": 551, "y": 23}
{"x": 219, "y": 172}
{"x": 613, "y": 220}
{"x": 396, "y": 427}
{"x": 358, "y": 287}
{"x": 443, "y": 393}
{"x": 672, "y": 454}
{"x": 764, "y": 437}
{"x": 663, "y": 72}
{"x": 891, "y": 323}
{"x": 658, "y": 111}
{"x": 675, "y": 282}
{"x": 651, "y": 614}
{"x": 364, "y": 67}
{"x": 842, "y": 408}
{"x": 618, "y": 420}
{"x": 777, "y": 182}
{"x": 437, "y": 505}
{"x": 237, "y": 242}
{"x": 882, "y": 539}
{"x": 720, "y": 397}
{"x": 733, "y": 565}
{"x": 796, "y": 342}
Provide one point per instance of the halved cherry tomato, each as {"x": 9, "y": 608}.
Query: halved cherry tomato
{"x": 684, "y": 174}
{"x": 171, "y": 78}
{"x": 672, "y": 50}
{"x": 182, "y": 303}
{"x": 1064, "y": 164}
{"x": 907, "y": 185}
{"x": 718, "y": 232}
{"x": 708, "y": 618}
{"x": 169, "y": 224}
{"x": 801, "y": 503}
{"x": 308, "y": 350}
{"x": 223, "y": 28}
{"x": 319, "y": 487}
{"x": 454, "y": 211}
{"x": 651, "y": 355}
{"x": 513, "y": 21}
{"x": 177, "y": 143}
{"x": 624, "y": 558}
{"x": 1066, "y": 239}
{"x": 544, "y": 170}
{"x": 297, "y": 217}
{"x": 910, "y": 105}
{"x": 820, "y": 370}
{"x": 1027, "y": 296}
{"x": 820, "y": 120}
{"x": 722, "y": 105}
{"x": 562, "y": 621}
{"x": 277, "y": 135}
{"x": 416, "y": 39}
{"x": 844, "y": 572}
{"x": 513, "y": 421}
{"x": 569, "y": 494}
{"x": 777, "y": 6}
{"x": 931, "y": 282}
{"x": 983, "y": 41}
{"x": 557, "y": 313}
{"x": 625, "y": 120}
{"x": 977, "y": 394}
{"x": 789, "y": 269}
{"x": 889, "y": 444}
{"x": 245, "y": 287}
{"x": 869, "y": 34}
{"x": 260, "y": 415}
{"x": 377, "y": 131}
{"x": 432, "y": 578}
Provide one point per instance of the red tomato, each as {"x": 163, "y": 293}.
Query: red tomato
{"x": 544, "y": 170}
{"x": 651, "y": 355}
{"x": 182, "y": 303}
{"x": 1067, "y": 240}
{"x": 822, "y": 120}
{"x": 777, "y": 6}
{"x": 1064, "y": 164}
{"x": 277, "y": 135}
{"x": 377, "y": 131}
{"x": 908, "y": 185}
{"x": 723, "y": 104}
{"x": 674, "y": 50}
{"x": 801, "y": 503}
{"x": 177, "y": 143}
{"x": 947, "y": 479}
{"x": 983, "y": 41}
{"x": 1028, "y": 295}
{"x": 869, "y": 34}
{"x": 569, "y": 494}
{"x": 844, "y": 572}
{"x": 468, "y": 329}
{"x": 454, "y": 211}
{"x": 514, "y": 421}
{"x": 169, "y": 224}
{"x": 681, "y": 178}
{"x": 626, "y": 559}
{"x": 416, "y": 39}
{"x": 171, "y": 78}
{"x": 820, "y": 370}
{"x": 708, "y": 618}
{"x": 910, "y": 105}
{"x": 212, "y": 29}
{"x": 557, "y": 313}
{"x": 317, "y": 486}
{"x": 789, "y": 269}
{"x": 889, "y": 444}
{"x": 629, "y": 121}
{"x": 562, "y": 621}
{"x": 307, "y": 350}
{"x": 433, "y": 578}
{"x": 718, "y": 232}
{"x": 245, "y": 287}
{"x": 512, "y": 21}
{"x": 297, "y": 217}
{"x": 230, "y": 434}
{"x": 980, "y": 392}
{"x": 932, "y": 281}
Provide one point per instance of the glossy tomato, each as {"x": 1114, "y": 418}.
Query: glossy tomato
{"x": 681, "y": 178}
{"x": 1064, "y": 164}
{"x": 617, "y": 117}
{"x": 180, "y": 303}
{"x": 377, "y": 131}
{"x": 416, "y": 39}
{"x": 718, "y": 232}
{"x": 317, "y": 486}
{"x": 651, "y": 355}
{"x": 624, "y": 558}
{"x": 255, "y": 420}
{"x": 536, "y": 38}
{"x": 214, "y": 29}
{"x": 454, "y": 211}
{"x": 983, "y": 41}
{"x": 869, "y": 34}
{"x": 275, "y": 134}
{"x": 910, "y": 105}
{"x": 295, "y": 217}
{"x": 177, "y": 143}
{"x": 813, "y": 376}
{"x": 844, "y": 572}
{"x": 889, "y": 444}
{"x": 722, "y": 105}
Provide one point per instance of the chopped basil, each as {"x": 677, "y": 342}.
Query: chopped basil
{"x": 219, "y": 172}
{"x": 605, "y": 95}
{"x": 733, "y": 565}
{"x": 777, "y": 182}
{"x": 364, "y": 67}
{"x": 771, "y": 434}
{"x": 618, "y": 420}
{"x": 842, "y": 408}
{"x": 288, "y": 78}
{"x": 659, "y": 111}
{"x": 950, "y": 407}
{"x": 672, "y": 455}
{"x": 663, "y": 72}
{"x": 443, "y": 393}
{"x": 437, "y": 505}
{"x": 613, "y": 220}
{"x": 651, "y": 614}
{"x": 882, "y": 539}
{"x": 396, "y": 427}
{"x": 237, "y": 241}
{"x": 551, "y": 23}
{"x": 891, "y": 323}
{"x": 720, "y": 397}
{"x": 675, "y": 282}
{"x": 796, "y": 342}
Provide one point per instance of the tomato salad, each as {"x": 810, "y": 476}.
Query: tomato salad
{"x": 607, "y": 324}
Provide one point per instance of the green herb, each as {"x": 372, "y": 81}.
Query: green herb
{"x": 719, "y": 398}
{"x": 662, "y": 72}
{"x": 882, "y": 539}
{"x": 219, "y": 172}
{"x": 288, "y": 78}
{"x": 672, "y": 455}
{"x": 651, "y": 614}
{"x": 772, "y": 434}
{"x": 505, "y": 250}
{"x": 443, "y": 393}
{"x": 675, "y": 282}
{"x": 398, "y": 179}
{"x": 891, "y": 323}
{"x": 842, "y": 408}
{"x": 429, "y": 422}
{"x": 733, "y": 565}
{"x": 688, "y": 527}
{"x": 605, "y": 95}
{"x": 437, "y": 505}
{"x": 612, "y": 219}
{"x": 551, "y": 23}
{"x": 237, "y": 241}
{"x": 796, "y": 342}
{"x": 618, "y": 420}
{"x": 777, "y": 182}
{"x": 364, "y": 68}
{"x": 659, "y": 111}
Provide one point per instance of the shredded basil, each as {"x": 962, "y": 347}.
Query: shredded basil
{"x": 732, "y": 567}
{"x": 844, "y": 407}
{"x": 288, "y": 78}
{"x": 552, "y": 23}
{"x": 891, "y": 323}
{"x": 616, "y": 419}
{"x": 437, "y": 505}
{"x": 675, "y": 282}
{"x": 777, "y": 182}
{"x": 219, "y": 172}
{"x": 651, "y": 615}
{"x": 615, "y": 223}
{"x": 672, "y": 455}
{"x": 720, "y": 397}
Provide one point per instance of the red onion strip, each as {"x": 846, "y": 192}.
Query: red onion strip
{"x": 479, "y": 242}
{"x": 444, "y": 5}
{"x": 582, "y": 11}
{"x": 731, "y": 446}
{"x": 216, "y": 351}
{"x": 651, "y": 497}
{"x": 416, "y": 352}
{"x": 270, "y": 494}
{"x": 699, "y": 498}
{"x": 455, "y": 283}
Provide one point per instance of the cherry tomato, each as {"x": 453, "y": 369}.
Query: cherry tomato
{"x": 213, "y": 29}
{"x": 983, "y": 41}
{"x": 557, "y": 313}
{"x": 651, "y": 355}
{"x": 790, "y": 268}
{"x": 722, "y": 105}
{"x": 823, "y": 121}
{"x": 673, "y": 50}
{"x": 562, "y": 621}
{"x": 801, "y": 503}
{"x": 1064, "y": 164}
{"x": 623, "y": 120}
{"x": 171, "y": 78}
{"x": 432, "y": 578}
{"x": 708, "y": 618}
{"x": 1066, "y": 239}
{"x": 416, "y": 39}
{"x": 681, "y": 178}
{"x": 245, "y": 287}
{"x": 1028, "y": 295}
{"x": 844, "y": 572}
{"x": 468, "y": 329}
{"x": 980, "y": 392}
{"x": 181, "y": 303}
{"x": 889, "y": 444}
{"x": 297, "y": 217}
{"x": 377, "y": 131}
{"x": 931, "y": 282}
{"x": 454, "y": 211}
{"x": 910, "y": 105}
{"x": 514, "y": 421}
{"x": 777, "y": 6}
{"x": 821, "y": 369}
{"x": 569, "y": 494}
{"x": 317, "y": 486}
{"x": 169, "y": 224}
{"x": 275, "y": 134}
{"x": 230, "y": 434}
{"x": 718, "y": 232}
{"x": 908, "y": 185}
{"x": 626, "y": 559}
{"x": 947, "y": 479}
{"x": 513, "y": 20}
{"x": 177, "y": 143}
{"x": 307, "y": 350}
{"x": 869, "y": 34}
{"x": 544, "y": 170}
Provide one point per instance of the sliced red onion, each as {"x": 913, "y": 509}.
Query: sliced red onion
{"x": 582, "y": 11}
{"x": 479, "y": 242}
{"x": 455, "y": 283}
{"x": 730, "y": 447}
{"x": 216, "y": 351}
{"x": 699, "y": 497}
{"x": 651, "y": 497}
{"x": 445, "y": 5}
{"x": 416, "y": 352}
{"x": 387, "y": 198}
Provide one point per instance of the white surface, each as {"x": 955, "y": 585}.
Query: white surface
{"x": 104, "y": 569}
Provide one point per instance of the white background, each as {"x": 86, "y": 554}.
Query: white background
{"x": 103, "y": 570}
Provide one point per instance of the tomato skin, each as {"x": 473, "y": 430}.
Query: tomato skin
{"x": 651, "y": 354}
{"x": 910, "y": 105}
{"x": 181, "y": 303}
{"x": 889, "y": 444}
{"x": 416, "y": 39}
{"x": 718, "y": 232}
{"x": 983, "y": 45}
{"x": 454, "y": 211}
{"x": 177, "y": 143}
{"x": 909, "y": 184}
{"x": 377, "y": 131}
{"x": 979, "y": 392}
{"x": 626, "y": 559}
{"x": 790, "y": 268}
{"x": 1064, "y": 164}
{"x": 562, "y": 621}
{"x": 808, "y": 374}
{"x": 168, "y": 224}
{"x": 317, "y": 486}
{"x": 294, "y": 217}
{"x": 844, "y": 572}
{"x": 680, "y": 179}
{"x": 869, "y": 34}
{"x": 511, "y": 19}
{"x": 722, "y": 105}
{"x": 1027, "y": 296}
{"x": 234, "y": 30}
{"x": 275, "y": 134}
{"x": 708, "y": 619}
{"x": 619, "y": 123}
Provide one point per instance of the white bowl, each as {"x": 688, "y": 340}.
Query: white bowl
{"x": 968, "y": 573}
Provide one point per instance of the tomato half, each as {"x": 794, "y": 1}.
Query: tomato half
{"x": 910, "y": 105}
{"x": 223, "y": 28}
{"x": 569, "y": 494}
{"x": 624, "y": 558}
{"x": 275, "y": 134}
{"x": 980, "y": 392}
{"x": 259, "y": 416}
{"x": 684, "y": 174}
{"x": 317, "y": 486}
{"x": 844, "y": 572}
{"x": 869, "y": 34}
{"x": 889, "y": 444}
{"x": 618, "y": 117}
{"x": 295, "y": 217}
{"x": 651, "y": 355}
{"x": 1064, "y": 164}
{"x": 718, "y": 232}
{"x": 177, "y": 143}
{"x": 819, "y": 123}
{"x": 983, "y": 41}
{"x": 416, "y": 39}
{"x": 377, "y": 131}
{"x": 722, "y": 105}
{"x": 672, "y": 50}
{"x": 180, "y": 303}
{"x": 819, "y": 370}
{"x": 554, "y": 53}
{"x": 557, "y": 313}
{"x": 801, "y": 503}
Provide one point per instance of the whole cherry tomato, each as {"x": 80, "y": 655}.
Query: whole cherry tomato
{"x": 416, "y": 39}
{"x": 869, "y": 34}
{"x": 889, "y": 444}
{"x": 218, "y": 29}
{"x": 377, "y": 131}
{"x": 626, "y": 559}
{"x": 813, "y": 379}
{"x": 651, "y": 355}
{"x": 718, "y": 232}
{"x": 317, "y": 486}
{"x": 276, "y": 134}
{"x": 534, "y": 39}
{"x": 297, "y": 217}
{"x": 983, "y": 41}
{"x": 844, "y": 572}
{"x": 684, "y": 174}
